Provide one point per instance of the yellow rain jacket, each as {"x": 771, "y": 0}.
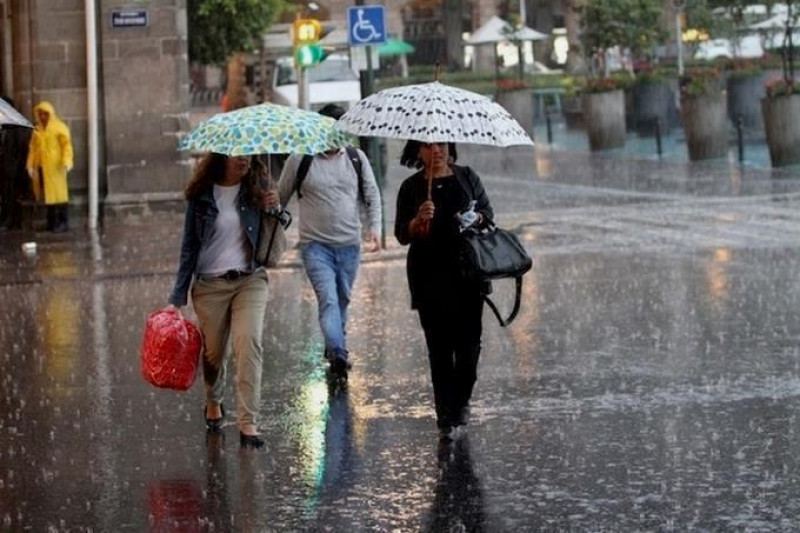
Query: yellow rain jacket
{"x": 50, "y": 150}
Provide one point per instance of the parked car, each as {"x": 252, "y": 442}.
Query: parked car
{"x": 331, "y": 81}
{"x": 748, "y": 46}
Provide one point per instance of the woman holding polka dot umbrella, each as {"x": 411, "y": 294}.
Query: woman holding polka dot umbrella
{"x": 434, "y": 206}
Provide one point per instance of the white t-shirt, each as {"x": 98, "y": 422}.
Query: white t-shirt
{"x": 226, "y": 246}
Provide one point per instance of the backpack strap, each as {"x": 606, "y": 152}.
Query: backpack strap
{"x": 352, "y": 154}
{"x": 302, "y": 172}
{"x": 514, "y": 311}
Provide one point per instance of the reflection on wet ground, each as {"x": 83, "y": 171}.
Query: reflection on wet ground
{"x": 649, "y": 383}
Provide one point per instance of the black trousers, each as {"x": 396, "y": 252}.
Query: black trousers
{"x": 453, "y": 327}
{"x": 57, "y": 217}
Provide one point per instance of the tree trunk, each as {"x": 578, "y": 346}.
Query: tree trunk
{"x": 453, "y": 28}
{"x": 576, "y": 64}
{"x": 237, "y": 96}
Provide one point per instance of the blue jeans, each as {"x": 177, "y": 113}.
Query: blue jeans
{"x": 332, "y": 270}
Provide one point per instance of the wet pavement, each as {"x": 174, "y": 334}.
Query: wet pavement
{"x": 649, "y": 383}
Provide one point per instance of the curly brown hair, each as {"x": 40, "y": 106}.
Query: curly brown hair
{"x": 211, "y": 170}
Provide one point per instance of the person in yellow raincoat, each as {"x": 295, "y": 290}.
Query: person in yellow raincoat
{"x": 49, "y": 160}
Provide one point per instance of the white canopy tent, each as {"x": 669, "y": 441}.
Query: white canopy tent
{"x": 498, "y": 32}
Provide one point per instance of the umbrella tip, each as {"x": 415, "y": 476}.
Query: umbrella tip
{"x": 437, "y": 70}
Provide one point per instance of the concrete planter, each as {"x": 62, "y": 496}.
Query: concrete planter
{"x": 744, "y": 97}
{"x": 782, "y": 126}
{"x": 604, "y": 116}
{"x": 519, "y": 105}
{"x": 652, "y": 102}
{"x": 705, "y": 123}
{"x": 573, "y": 112}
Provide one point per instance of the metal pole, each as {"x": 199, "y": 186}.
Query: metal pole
{"x": 549, "y": 125}
{"x": 658, "y": 136}
{"x": 740, "y": 137}
{"x": 373, "y": 148}
{"x": 678, "y": 35}
{"x": 92, "y": 110}
{"x": 302, "y": 87}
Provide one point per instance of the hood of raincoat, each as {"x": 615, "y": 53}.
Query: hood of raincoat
{"x": 54, "y": 122}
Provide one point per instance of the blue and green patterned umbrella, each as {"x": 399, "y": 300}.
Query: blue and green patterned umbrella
{"x": 265, "y": 129}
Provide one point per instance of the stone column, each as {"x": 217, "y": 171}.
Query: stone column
{"x": 484, "y": 59}
{"x": 145, "y": 90}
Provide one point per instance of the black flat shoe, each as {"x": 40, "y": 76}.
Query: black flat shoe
{"x": 251, "y": 441}
{"x": 214, "y": 424}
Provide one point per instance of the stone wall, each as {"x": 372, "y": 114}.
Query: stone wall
{"x": 145, "y": 81}
{"x": 144, "y": 91}
{"x": 50, "y": 64}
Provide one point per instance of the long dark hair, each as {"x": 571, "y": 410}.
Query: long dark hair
{"x": 211, "y": 170}
{"x": 410, "y": 156}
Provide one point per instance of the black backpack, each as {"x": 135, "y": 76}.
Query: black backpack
{"x": 352, "y": 154}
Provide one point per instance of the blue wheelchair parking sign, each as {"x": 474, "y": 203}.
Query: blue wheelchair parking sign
{"x": 366, "y": 25}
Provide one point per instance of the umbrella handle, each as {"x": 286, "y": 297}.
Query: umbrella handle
{"x": 429, "y": 177}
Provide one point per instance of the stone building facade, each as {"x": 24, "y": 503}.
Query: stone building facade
{"x": 143, "y": 85}
{"x": 143, "y": 89}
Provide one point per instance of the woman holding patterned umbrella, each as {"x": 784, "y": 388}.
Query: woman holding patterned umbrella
{"x": 222, "y": 232}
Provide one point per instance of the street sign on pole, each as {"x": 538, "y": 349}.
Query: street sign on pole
{"x": 366, "y": 25}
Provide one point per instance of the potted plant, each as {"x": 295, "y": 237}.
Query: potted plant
{"x": 571, "y": 103}
{"x": 516, "y": 96}
{"x": 745, "y": 88}
{"x": 632, "y": 25}
{"x": 653, "y": 100}
{"x": 603, "y": 104}
{"x": 781, "y": 110}
{"x": 781, "y": 104}
{"x": 703, "y": 113}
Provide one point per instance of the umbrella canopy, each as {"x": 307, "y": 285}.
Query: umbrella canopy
{"x": 11, "y": 117}
{"x": 777, "y": 22}
{"x": 433, "y": 112}
{"x": 265, "y": 129}
{"x": 395, "y": 47}
{"x": 497, "y": 30}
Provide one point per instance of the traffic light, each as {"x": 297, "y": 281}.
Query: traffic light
{"x": 308, "y": 55}
{"x": 305, "y": 38}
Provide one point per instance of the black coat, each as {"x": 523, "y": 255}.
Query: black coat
{"x": 432, "y": 264}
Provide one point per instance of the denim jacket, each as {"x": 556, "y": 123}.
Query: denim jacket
{"x": 201, "y": 213}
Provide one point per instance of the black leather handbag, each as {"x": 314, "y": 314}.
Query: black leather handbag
{"x": 491, "y": 253}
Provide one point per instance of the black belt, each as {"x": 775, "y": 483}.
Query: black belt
{"x": 230, "y": 275}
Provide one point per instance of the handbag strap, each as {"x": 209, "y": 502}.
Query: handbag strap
{"x": 272, "y": 238}
{"x": 514, "y": 311}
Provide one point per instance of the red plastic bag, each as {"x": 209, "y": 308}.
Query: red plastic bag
{"x": 170, "y": 350}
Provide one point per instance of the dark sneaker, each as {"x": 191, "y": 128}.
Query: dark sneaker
{"x": 339, "y": 368}
{"x": 447, "y": 433}
{"x": 462, "y": 416}
{"x": 251, "y": 441}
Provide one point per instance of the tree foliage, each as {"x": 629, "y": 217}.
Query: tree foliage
{"x": 219, "y": 28}
{"x": 634, "y": 24}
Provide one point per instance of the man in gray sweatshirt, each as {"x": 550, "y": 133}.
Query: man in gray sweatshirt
{"x": 330, "y": 196}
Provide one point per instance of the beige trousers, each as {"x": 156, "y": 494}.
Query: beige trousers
{"x": 232, "y": 312}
